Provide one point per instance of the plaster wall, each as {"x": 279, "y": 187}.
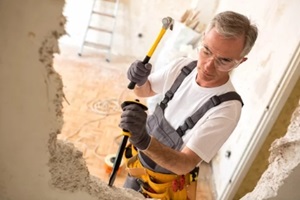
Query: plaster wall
{"x": 261, "y": 163}
{"x": 33, "y": 165}
{"x": 281, "y": 178}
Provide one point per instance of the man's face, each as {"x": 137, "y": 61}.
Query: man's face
{"x": 217, "y": 57}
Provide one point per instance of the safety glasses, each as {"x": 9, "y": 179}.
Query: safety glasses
{"x": 220, "y": 63}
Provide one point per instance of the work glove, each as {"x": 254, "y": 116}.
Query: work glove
{"x": 139, "y": 72}
{"x": 133, "y": 120}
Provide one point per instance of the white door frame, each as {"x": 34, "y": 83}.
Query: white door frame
{"x": 266, "y": 122}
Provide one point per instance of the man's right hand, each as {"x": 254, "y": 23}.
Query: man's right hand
{"x": 139, "y": 72}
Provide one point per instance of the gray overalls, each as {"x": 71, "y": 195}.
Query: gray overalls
{"x": 158, "y": 126}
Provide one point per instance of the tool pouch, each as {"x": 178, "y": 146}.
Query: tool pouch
{"x": 159, "y": 186}
{"x": 165, "y": 191}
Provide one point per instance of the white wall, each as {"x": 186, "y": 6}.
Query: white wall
{"x": 264, "y": 82}
{"x": 133, "y": 17}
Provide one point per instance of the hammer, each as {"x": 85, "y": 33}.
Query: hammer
{"x": 167, "y": 23}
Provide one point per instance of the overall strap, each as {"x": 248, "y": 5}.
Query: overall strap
{"x": 185, "y": 71}
{"x": 212, "y": 102}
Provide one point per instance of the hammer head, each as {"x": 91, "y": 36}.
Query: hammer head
{"x": 168, "y": 23}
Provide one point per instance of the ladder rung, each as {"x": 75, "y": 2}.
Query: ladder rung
{"x": 104, "y": 14}
{"x": 104, "y": 29}
{"x": 92, "y": 44}
{"x": 100, "y": 29}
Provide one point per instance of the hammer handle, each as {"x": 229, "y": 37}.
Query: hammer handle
{"x": 131, "y": 85}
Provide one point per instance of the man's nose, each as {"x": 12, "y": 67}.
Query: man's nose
{"x": 209, "y": 64}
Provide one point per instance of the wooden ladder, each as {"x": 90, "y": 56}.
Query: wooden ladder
{"x": 106, "y": 32}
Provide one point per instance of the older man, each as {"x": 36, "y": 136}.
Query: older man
{"x": 199, "y": 112}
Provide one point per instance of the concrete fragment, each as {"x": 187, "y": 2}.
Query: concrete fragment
{"x": 284, "y": 158}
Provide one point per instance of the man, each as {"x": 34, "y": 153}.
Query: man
{"x": 171, "y": 143}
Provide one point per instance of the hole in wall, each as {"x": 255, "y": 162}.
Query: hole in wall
{"x": 91, "y": 110}
{"x": 87, "y": 142}
{"x": 93, "y": 90}
{"x": 71, "y": 168}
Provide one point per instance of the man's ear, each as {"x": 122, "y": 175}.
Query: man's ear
{"x": 243, "y": 60}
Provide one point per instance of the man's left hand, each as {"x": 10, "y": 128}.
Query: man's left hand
{"x": 133, "y": 119}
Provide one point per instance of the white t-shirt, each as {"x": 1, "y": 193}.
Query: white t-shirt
{"x": 213, "y": 129}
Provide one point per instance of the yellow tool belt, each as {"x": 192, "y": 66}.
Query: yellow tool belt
{"x": 158, "y": 185}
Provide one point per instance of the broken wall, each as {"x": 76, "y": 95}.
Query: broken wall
{"x": 261, "y": 162}
{"x": 33, "y": 165}
{"x": 281, "y": 178}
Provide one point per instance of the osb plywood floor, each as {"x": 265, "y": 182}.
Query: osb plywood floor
{"x": 94, "y": 90}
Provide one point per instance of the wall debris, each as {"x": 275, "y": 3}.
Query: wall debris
{"x": 284, "y": 158}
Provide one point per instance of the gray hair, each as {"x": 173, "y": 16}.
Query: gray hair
{"x": 231, "y": 24}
